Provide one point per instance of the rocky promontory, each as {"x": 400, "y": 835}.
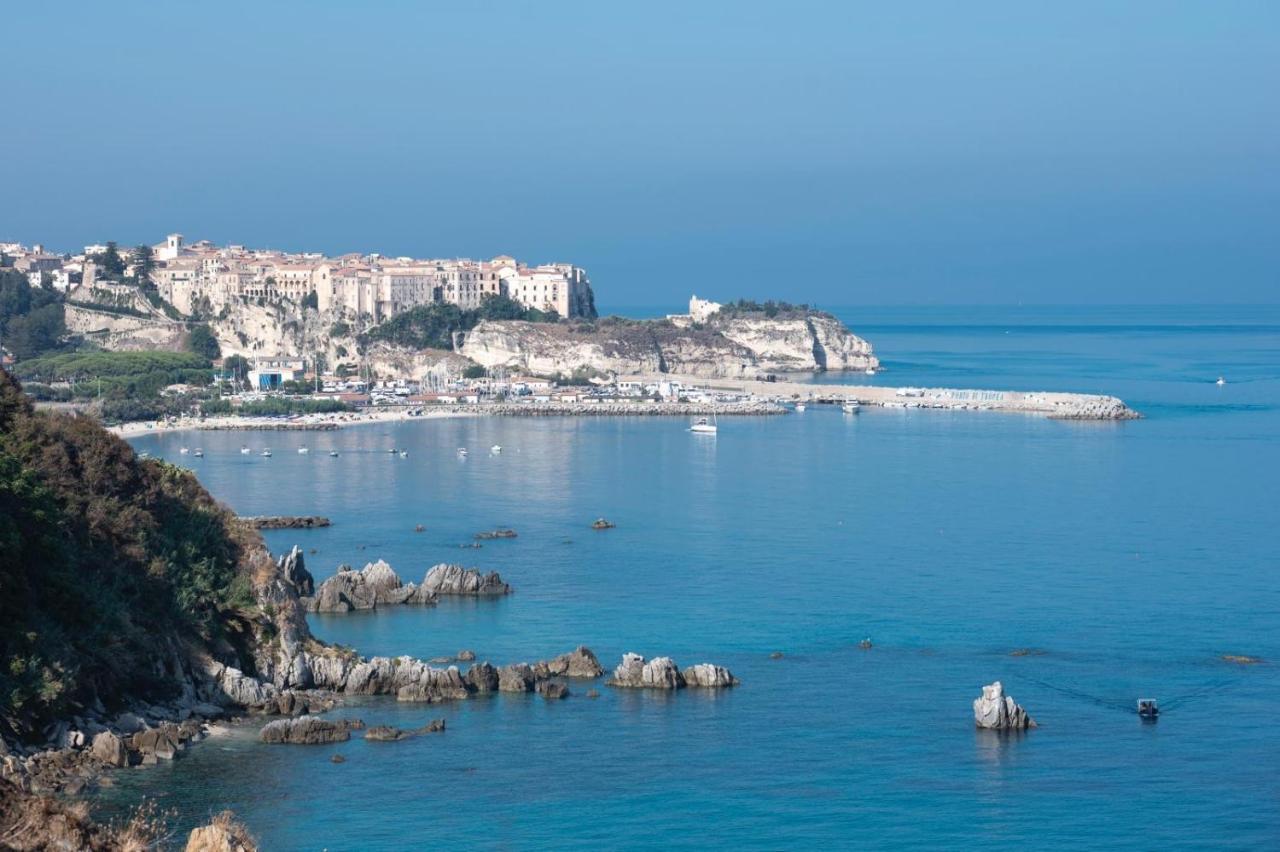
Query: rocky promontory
{"x": 372, "y": 586}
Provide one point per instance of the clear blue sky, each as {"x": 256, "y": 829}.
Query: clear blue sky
{"x": 834, "y": 152}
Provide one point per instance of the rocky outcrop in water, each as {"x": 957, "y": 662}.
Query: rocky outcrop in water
{"x": 373, "y": 586}
{"x": 663, "y": 673}
{"x": 294, "y": 569}
{"x": 285, "y": 522}
{"x": 489, "y": 535}
{"x": 445, "y": 579}
{"x": 997, "y": 711}
{"x": 308, "y": 730}
{"x": 390, "y": 733}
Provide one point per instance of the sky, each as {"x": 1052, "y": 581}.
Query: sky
{"x": 837, "y": 153}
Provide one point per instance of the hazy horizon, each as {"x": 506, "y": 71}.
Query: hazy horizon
{"x": 834, "y": 153}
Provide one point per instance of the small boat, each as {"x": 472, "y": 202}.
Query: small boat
{"x": 703, "y": 426}
{"x": 1221, "y": 381}
{"x": 495, "y": 449}
{"x": 462, "y": 452}
{"x": 333, "y": 454}
{"x": 144, "y": 455}
{"x": 393, "y": 451}
{"x": 184, "y": 451}
{"x": 302, "y": 451}
{"x": 244, "y": 451}
{"x": 800, "y": 406}
{"x": 1148, "y": 709}
{"x": 266, "y": 454}
{"x": 199, "y": 453}
{"x": 850, "y": 406}
{"x": 870, "y": 371}
{"x": 404, "y": 454}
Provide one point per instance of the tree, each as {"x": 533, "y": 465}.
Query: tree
{"x": 202, "y": 342}
{"x": 311, "y": 300}
{"x": 35, "y": 333}
{"x": 237, "y": 365}
{"x": 110, "y": 260}
{"x": 475, "y": 371}
{"x": 144, "y": 263}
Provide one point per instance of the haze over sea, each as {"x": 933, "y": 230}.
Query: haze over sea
{"x": 1128, "y": 557}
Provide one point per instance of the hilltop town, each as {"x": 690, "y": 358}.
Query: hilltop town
{"x": 201, "y": 278}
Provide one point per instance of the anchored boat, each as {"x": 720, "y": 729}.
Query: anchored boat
{"x": 1148, "y": 709}
{"x": 703, "y": 426}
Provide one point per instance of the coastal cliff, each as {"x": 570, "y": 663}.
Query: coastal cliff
{"x": 738, "y": 346}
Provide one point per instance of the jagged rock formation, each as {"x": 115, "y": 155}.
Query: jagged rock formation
{"x": 663, "y": 673}
{"x": 223, "y": 834}
{"x": 998, "y": 711}
{"x": 308, "y": 730}
{"x": 294, "y": 569}
{"x": 373, "y": 586}
{"x": 445, "y": 579}
{"x": 738, "y": 346}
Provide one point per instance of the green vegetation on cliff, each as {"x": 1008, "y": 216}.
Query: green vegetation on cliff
{"x": 107, "y": 565}
{"x": 31, "y": 318}
{"x": 432, "y": 326}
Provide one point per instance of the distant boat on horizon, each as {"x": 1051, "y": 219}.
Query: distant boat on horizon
{"x": 1221, "y": 381}
{"x": 266, "y": 454}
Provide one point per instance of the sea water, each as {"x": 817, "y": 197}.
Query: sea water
{"x": 1084, "y": 565}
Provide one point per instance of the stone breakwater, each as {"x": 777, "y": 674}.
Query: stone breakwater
{"x": 1058, "y": 406}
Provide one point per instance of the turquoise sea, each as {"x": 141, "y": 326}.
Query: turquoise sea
{"x": 1127, "y": 557}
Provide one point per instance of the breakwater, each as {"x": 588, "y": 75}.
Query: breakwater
{"x": 285, "y": 522}
{"x": 1060, "y": 406}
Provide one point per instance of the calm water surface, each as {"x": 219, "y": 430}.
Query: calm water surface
{"x": 1128, "y": 556}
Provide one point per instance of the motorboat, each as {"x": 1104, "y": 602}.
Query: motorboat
{"x": 850, "y": 406}
{"x": 1148, "y": 709}
{"x": 244, "y": 451}
{"x": 462, "y": 452}
{"x": 302, "y": 451}
{"x": 333, "y": 454}
{"x": 199, "y": 453}
{"x": 870, "y": 371}
{"x": 495, "y": 449}
{"x": 393, "y": 451}
{"x": 266, "y": 454}
{"x": 800, "y": 406}
{"x": 183, "y": 451}
{"x": 703, "y": 426}
{"x": 404, "y": 454}
{"x": 1221, "y": 381}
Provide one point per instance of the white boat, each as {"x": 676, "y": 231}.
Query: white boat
{"x": 800, "y": 406}
{"x": 870, "y": 371}
{"x": 184, "y": 451}
{"x": 1221, "y": 381}
{"x": 302, "y": 451}
{"x": 703, "y": 426}
{"x": 333, "y": 454}
{"x": 404, "y": 454}
{"x": 495, "y": 449}
{"x": 244, "y": 451}
{"x": 462, "y": 451}
{"x": 199, "y": 453}
{"x": 266, "y": 454}
{"x": 393, "y": 451}
{"x": 850, "y": 406}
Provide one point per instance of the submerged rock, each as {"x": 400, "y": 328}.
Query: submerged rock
{"x": 308, "y": 730}
{"x": 997, "y": 711}
{"x": 1241, "y": 659}
{"x": 445, "y": 579}
{"x": 492, "y": 534}
{"x": 466, "y": 656}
